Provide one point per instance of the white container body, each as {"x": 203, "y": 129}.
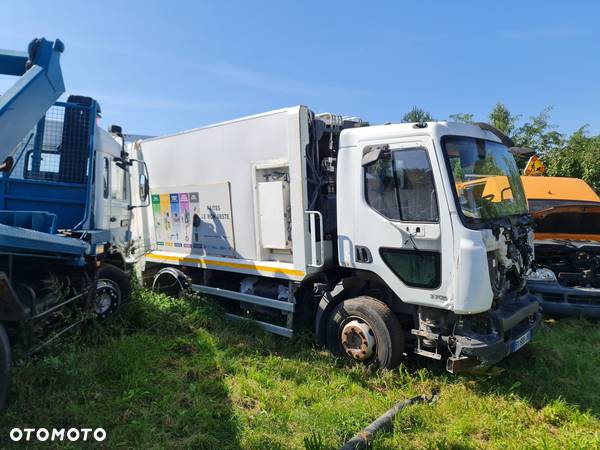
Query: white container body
{"x": 260, "y": 161}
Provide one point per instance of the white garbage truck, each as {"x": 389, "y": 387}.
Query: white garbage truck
{"x": 388, "y": 238}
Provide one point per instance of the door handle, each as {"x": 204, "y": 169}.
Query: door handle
{"x": 113, "y": 219}
{"x": 363, "y": 254}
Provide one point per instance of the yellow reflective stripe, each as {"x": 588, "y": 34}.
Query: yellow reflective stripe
{"x": 210, "y": 262}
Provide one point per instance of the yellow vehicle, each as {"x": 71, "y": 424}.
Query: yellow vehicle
{"x": 567, "y": 244}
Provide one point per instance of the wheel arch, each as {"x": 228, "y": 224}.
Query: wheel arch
{"x": 355, "y": 284}
{"x": 181, "y": 280}
{"x": 116, "y": 259}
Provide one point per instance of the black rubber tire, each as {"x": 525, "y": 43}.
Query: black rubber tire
{"x": 122, "y": 278}
{"x": 389, "y": 338}
{"x": 5, "y": 363}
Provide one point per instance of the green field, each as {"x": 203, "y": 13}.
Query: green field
{"x": 175, "y": 374}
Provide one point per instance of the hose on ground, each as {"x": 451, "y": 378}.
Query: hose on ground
{"x": 363, "y": 437}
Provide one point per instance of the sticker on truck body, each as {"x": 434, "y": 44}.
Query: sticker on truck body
{"x": 194, "y": 219}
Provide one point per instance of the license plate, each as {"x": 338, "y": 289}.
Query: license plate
{"x": 520, "y": 341}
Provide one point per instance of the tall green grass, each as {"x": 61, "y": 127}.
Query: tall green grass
{"x": 169, "y": 373}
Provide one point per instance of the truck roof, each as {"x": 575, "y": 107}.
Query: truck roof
{"x": 352, "y": 136}
{"x": 227, "y": 122}
{"x": 558, "y": 188}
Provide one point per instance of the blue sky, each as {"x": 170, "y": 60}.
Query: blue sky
{"x": 162, "y": 67}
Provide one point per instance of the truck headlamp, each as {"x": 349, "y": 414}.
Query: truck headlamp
{"x": 542, "y": 274}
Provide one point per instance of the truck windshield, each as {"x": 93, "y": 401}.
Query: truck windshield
{"x": 487, "y": 180}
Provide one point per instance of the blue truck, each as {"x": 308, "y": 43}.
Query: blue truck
{"x": 65, "y": 207}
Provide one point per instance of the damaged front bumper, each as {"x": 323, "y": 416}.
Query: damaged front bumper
{"x": 497, "y": 333}
{"x": 566, "y": 301}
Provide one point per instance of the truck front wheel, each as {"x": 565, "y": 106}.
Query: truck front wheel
{"x": 113, "y": 288}
{"x": 365, "y": 330}
{"x": 4, "y": 366}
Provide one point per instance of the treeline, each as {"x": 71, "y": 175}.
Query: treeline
{"x": 564, "y": 155}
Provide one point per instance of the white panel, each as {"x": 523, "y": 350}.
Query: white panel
{"x": 228, "y": 153}
{"x": 273, "y": 206}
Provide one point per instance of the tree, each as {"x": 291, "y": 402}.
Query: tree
{"x": 417, "y": 114}
{"x": 461, "y": 117}
{"x": 577, "y": 158}
{"x": 501, "y": 118}
{"x": 539, "y": 134}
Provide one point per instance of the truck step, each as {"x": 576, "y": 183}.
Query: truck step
{"x": 249, "y": 298}
{"x": 275, "y": 329}
{"x": 428, "y": 354}
{"x": 286, "y": 307}
{"x": 425, "y": 334}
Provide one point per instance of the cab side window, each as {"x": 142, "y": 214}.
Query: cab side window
{"x": 380, "y": 187}
{"x": 400, "y": 186}
{"x": 119, "y": 182}
{"x": 416, "y": 188}
{"x": 105, "y": 177}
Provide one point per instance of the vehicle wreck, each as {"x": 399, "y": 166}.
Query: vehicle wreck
{"x": 567, "y": 245}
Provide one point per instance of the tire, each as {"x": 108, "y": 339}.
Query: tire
{"x": 120, "y": 277}
{"x": 365, "y": 331}
{"x": 5, "y": 363}
{"x": 113, "y": 288}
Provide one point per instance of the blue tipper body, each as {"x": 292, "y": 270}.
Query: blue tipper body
{"x": 34, "y": 209}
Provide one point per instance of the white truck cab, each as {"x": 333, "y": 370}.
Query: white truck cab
{"x": 436, "y": 212}
{"x": 412, "y": 235}
{"x": 113, "y": 195}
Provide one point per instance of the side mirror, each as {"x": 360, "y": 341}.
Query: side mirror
{"x": 372, "y": 153}
{"x": 144, "y": 187}
{"x": 144, "y": 184}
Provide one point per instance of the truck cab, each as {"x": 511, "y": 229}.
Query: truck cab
{"x": 435, "y": 214}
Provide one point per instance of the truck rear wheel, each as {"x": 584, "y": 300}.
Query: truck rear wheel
{"x": 113, "y": 288}
{"x": 364, "y": 330}
{"x": 5, "y": 364}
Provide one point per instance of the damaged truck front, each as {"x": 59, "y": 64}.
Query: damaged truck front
{"x": 494, "y": 315}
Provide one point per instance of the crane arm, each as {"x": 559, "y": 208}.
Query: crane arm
{"x": 39, "y": 86}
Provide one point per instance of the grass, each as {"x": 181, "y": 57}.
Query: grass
{"x": 175, "y": 374}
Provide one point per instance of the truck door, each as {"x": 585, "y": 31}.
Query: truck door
{"x": 399, "y": 230}
{"x": 142, "y": 233}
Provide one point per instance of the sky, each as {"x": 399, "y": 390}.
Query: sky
{"x": 162, "y": 67}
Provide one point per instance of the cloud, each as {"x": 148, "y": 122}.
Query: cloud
{"x": 262, "y": 81}
{"x": 548, "y": 33}
{"x": 112, "y": 100}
